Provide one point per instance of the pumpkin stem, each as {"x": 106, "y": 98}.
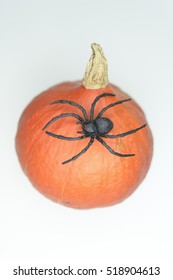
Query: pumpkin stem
{"x": 96, "y": 74}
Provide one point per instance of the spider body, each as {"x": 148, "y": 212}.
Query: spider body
{"x": 98, "y": 127}
{"x": 95, "y": 128}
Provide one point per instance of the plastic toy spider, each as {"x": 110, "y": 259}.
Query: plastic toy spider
{"x": 94, "y": 128}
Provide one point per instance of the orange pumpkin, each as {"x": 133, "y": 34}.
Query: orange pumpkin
{"x": 85, "y": 144}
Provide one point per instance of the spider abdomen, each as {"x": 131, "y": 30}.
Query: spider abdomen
{"x": 103, "y": 125}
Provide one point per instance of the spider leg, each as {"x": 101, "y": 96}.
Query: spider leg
{"x": 63, "y": 116}
{"x": 111, "y": 150}
{"x": 125, "y": 133}
{"x": 95, "y": 101}
{"x": 65, "y": 137}
{"x": 111, "y": 105}
{"x": 73, "y": 104}
{"x": 82, "y": 152}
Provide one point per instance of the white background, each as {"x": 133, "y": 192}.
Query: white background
{"x": 44, "y": 42}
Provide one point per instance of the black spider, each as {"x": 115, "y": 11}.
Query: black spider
{"x": 93, "y": 128}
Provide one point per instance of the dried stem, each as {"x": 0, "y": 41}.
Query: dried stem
{"x": 96, "y": 74}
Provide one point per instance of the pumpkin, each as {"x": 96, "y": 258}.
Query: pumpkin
{"x": 85, "y": 144}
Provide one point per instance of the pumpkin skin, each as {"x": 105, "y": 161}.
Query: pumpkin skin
{"x": 97, "y": 178}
